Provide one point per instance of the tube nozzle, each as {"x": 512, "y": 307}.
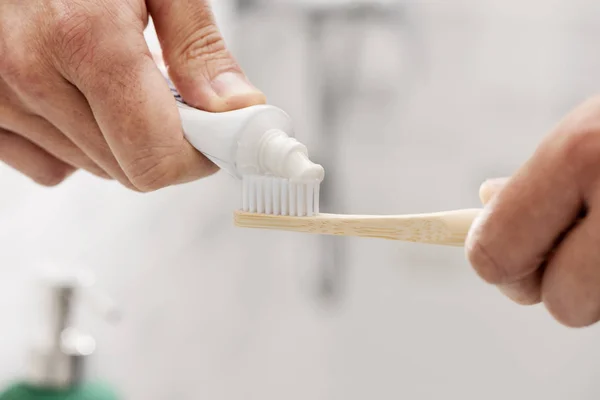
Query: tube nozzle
{"x": 285, "y": 157}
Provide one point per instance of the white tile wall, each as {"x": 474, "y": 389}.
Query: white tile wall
{"x": 213, "y": 312}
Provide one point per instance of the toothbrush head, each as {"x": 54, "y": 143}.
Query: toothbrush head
{"x": 279, "y": 196}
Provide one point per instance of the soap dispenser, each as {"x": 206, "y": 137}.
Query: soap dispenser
{"x": 57, "y": 361}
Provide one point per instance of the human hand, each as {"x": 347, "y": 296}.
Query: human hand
{"x": 538, "y": 238}
{"x": 79, "y": 88}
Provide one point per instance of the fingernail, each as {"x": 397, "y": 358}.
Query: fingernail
{"x": 231, "y": 84}
{"x": 495, "y": 182}
{"x": 490, "y": 187}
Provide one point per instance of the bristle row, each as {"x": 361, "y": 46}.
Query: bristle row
{"x": 277, "y": 196}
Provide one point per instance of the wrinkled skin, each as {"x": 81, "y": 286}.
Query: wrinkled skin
{"x": 79, "y": 88}
{"x": 538, "y": 239}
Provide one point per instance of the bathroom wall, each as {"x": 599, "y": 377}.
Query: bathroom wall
{"x": 411, "y": 114}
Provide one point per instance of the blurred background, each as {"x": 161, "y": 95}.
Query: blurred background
{"x": 409, "y": 105}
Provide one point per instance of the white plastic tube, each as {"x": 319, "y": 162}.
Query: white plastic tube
{"x": 255, "y": 140}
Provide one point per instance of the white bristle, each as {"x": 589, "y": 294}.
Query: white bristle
{"x": 316, "y": 197}
{"x": 301, "y": 200}
{"x": 260, "y": 196}
{"x": 276, "y": 193}
{"x": 245, "y": 193}
{"x": 310, "y": 199}
{"x": 251, "y": 195}
{"x": 292, "y": 199}
{"x": 268, "y": 192}
{"x": 278, "y": 196}
{"x": 285, "y": 205}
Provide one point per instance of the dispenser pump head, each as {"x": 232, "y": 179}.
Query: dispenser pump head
{"x": 57, "y": 361}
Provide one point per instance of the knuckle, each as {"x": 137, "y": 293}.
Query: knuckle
{"x": 74, "y": 35}
{"x": 21, "y": 62}
{"x": 488, "y": 268}
{"x": 580, "y": 155}
{"x": 203, "y": 43}
{"x": 73, "y": 28}
{"x": 582, "y": 142}
{"x": 580, "y": 136}
{"x": 8, "y": 64}
{"x": 563, "y": 313}
{"x": 154, "y": 170}
{"x": 23, "y": 72}
{"x": 13, "y": 60}
{"x": 116, "y": 77}
{"x": 21, "y": 53}
{"x": 207, "y": 47}
{"x": 4, "y": 57}
{"x": 574, "y": 309}
{"x": 574, "y": 145}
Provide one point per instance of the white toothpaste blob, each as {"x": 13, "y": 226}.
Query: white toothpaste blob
{"x": 285, "y": 157}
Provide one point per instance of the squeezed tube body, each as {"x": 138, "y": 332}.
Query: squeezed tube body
{"x": 256, "y": 140}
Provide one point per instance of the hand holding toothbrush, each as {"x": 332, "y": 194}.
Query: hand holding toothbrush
{"x": 79, "y": 88}
{"x": 538, "y": 238}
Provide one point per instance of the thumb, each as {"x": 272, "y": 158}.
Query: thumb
{"x": 198, "y": 61}
{"x": 490, "y": 188}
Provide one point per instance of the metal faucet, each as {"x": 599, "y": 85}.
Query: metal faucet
{"x": 57, "y": 361}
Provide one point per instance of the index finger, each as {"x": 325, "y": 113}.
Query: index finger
{"x": 138, "y": 116}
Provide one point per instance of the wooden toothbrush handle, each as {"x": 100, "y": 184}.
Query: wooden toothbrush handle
{"x": 444, "y": 228}
{"x": 456, "y": 225}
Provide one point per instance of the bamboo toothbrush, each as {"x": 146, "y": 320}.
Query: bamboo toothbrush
{"x": 443, "y": 228}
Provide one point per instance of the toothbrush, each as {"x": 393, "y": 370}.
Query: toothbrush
{"x": 443, "y": 228}
{"x": 280, "y": 185}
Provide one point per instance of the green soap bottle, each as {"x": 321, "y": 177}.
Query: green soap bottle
{"x": 57, "y": 364}
{"x": 86, "y": 391}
